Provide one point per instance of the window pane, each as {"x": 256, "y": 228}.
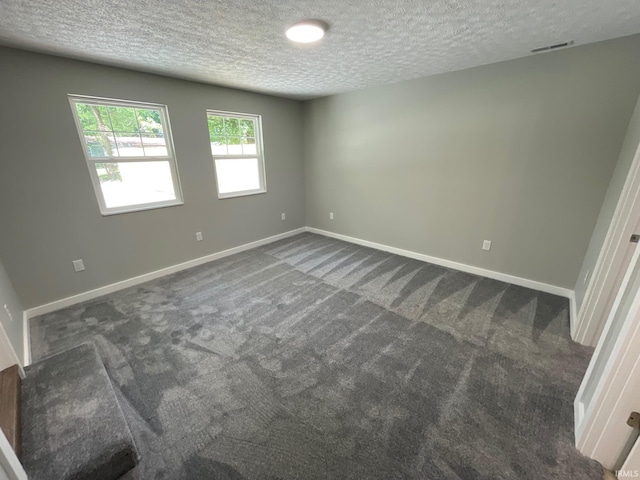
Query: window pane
{"x": 246, "y": 128}
{"x": 101, "y": 115}
{"x": 232, "y": 127}
{"x": 87, "y": 119}
{"x": 150, "y": 122}
{"x": 232, "y": 136}
{"x": 234, "y": 145}
{"x": 154, "y": 144}
{"x": 113, "y": 131}
{"x": 237, "y": 175}
{"x": 216, "y": 126}
{"x": 249, "y": 146}
{"x": 134, "y": 183}
{"x": 218, "y": 145}
{"x": 129, "y": 144}
{"x": 123, "y": 119}
{"x": 99, "y": 144}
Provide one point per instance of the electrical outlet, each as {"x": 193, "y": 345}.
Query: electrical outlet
{"x": 330, "y": 215}
{"x": 486, "y": 245}
{"x": 198, "y": 236}
{"x": 283, "y": 216}
{"x": 586, "y": 276}
{"x": 78, "y": 265}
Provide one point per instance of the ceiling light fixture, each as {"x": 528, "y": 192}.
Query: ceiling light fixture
{"x": 307, "y": 31}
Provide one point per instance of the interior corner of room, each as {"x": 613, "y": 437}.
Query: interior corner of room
{"x": 525, "y": 172}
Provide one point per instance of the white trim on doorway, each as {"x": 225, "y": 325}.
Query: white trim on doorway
{"x": 599, "y": 429}
{"x": 590, "y": 321}
{"x": 9, "y": 461}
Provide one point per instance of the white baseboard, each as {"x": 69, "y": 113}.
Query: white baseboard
{"x": 98, "y": 292}
{"x": 26, "y": 336}
{"x": 114, "y": 287}
{"x": 503, "y": 277}
{"x": 573, "y": 315}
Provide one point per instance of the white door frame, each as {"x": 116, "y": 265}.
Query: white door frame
{"x": 600, "y": 428}
{"x": 592, "y": 316}
{"x": 9, "y": 461}
{"x": 631, "y": 467}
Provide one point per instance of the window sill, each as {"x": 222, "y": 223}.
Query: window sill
{"x": 241, "y": 194}
{"x": 140, "y": 208}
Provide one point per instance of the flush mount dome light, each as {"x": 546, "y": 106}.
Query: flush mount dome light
{"x": 306, "y": 31}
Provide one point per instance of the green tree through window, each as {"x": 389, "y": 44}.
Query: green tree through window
{"x": 129, "y": 152}
{"x": 106, "y": 123}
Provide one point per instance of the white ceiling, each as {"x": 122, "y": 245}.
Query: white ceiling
{"x": 241, "y": 43}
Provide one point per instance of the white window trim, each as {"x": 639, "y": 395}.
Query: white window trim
{"x": 259, "y": 155}
{"x": 91, "y": 161}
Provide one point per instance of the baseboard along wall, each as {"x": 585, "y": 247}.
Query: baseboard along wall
{"x": 504, "y": 277}
{"x": 98, "y": 292}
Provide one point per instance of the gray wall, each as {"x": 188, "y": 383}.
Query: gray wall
{"x": 519, "y": 152}
{"x": 628, "y": 152}
{"x": 48, "y": 210}
{"x": 13, "y": 325}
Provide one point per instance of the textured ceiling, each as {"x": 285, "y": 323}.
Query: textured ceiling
{"x": 241, "y": 43}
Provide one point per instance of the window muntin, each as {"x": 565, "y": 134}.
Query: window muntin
{"x": 236, "y": 147}
{"x": 129, "y": 153}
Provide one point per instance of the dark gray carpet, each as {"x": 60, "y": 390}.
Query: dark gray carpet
{"x": 72, "y": 425}
{"x": 312, "y": 358}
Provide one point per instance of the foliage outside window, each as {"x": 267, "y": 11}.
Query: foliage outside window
{"x": 236, "y": 147}
{"x": 129, "y": 152}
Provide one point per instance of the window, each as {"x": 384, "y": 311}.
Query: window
{"x": 130, "y": 154}
{"x": 236, "y": 146}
